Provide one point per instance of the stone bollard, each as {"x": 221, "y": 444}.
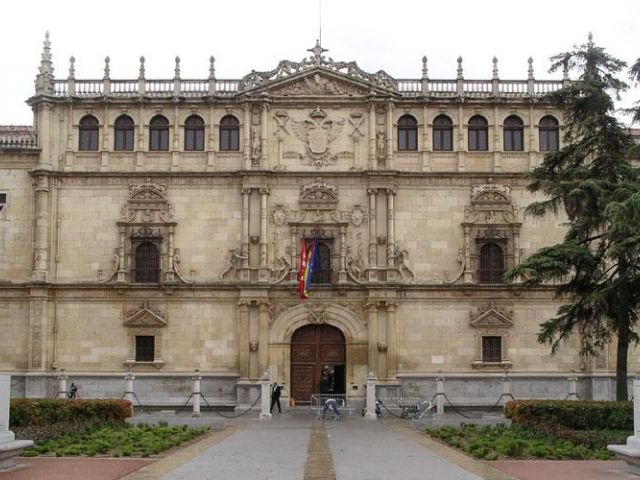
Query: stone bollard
{"x": 128, "y": 386}
{"x": 372, "y": 380}
{"x": 440, "y": 396}
{"x": 265, "y": 393}
{"x": 196, "y": 393}
{"x": 630, "y": 452}
{"x": 62, "y": 384}
{"x": 573, "y": 388}
{"x": 9, "y": 446}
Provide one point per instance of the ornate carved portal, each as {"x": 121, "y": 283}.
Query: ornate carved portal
{"x": 318, "y": 362}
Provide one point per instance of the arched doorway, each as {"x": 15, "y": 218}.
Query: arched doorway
{"x": 317, "y": 362}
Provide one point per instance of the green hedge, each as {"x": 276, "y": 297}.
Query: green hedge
{"x": 574, "y": 415}
{"x": 45, "y": 418}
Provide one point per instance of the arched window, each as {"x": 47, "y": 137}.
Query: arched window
{"x": 194, "y": 133}
{"x": 159, "y": 133}
{"x": 478, "y": 133}
{"x": 549, "y": 134}
{"x": 322, "y": 273}
{"x": 88, "y": 133}
{"x": 491, "y": 264}
{"x": 513, "y": 134}
{"x": 123, "y": 133}
{"x": 147, "y": 266}
{"x": 407, "y": 133}
{"x": 442, "y": 133}
{"x": 229, "y": 133}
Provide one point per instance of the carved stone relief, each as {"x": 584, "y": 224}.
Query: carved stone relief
{"x": 144, "y": 315}
{"x": 317, "y": 134}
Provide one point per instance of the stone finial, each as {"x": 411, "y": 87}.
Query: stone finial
{"x": 72, "y": 68}
{"x": 459, "y": 77}
{"x": 212, "y": 67}
{"x": 177, "y": 69}
{"x": 317, "y": 53}
{"x": 590, "y": 41}
{"x": 530, "y": 69}
{"x": 44, "y": 79}
{"x": 107, "y": 68}
{"x": 424, "y": 67}
{"x": 495, "y": 68}
{"x": 141, "y": 73}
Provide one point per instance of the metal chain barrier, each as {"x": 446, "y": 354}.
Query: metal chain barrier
{"x": 137, "y": 400}
{"x": 237, "y": 415}
{"x": 389, "y": 411}
{"x": 502, "y": 395}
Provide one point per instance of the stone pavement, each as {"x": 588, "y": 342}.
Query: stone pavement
{"x": 294, "y": 446}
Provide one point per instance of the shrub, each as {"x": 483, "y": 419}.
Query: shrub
{"x": 573, "y": 415}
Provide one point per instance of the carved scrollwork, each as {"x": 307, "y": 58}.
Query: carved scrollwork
{"x": 318, "y": 196}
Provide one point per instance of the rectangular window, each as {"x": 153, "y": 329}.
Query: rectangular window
{"x": 159, "y": 139}
{"x": 513, "y": 140}
{"x": 229, "y": 139}
{"x": 124, "y": 139}
{"x": 492, "y": 349}
{"x": 88, "y": 140}
{"x": 548, "y": 140}
{"x": 442, "y": 139}
{"x": 478, "y": 139}
{"x": 145, "y": 348}
{"x": 3, "y": 201}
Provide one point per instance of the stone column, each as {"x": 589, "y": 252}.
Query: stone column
{"x": 265, "y": 396}
{"x": 391, "y": 241}
{"x": 196, "y": 393}
{"x": 506, "y": 386}
{"x": 389, "y": 160}
{"x": 573, "y": 388}
{"x": 170, "y": 273}
{"x": 372, "y": 136}
{"x": 372, "y": 328}
{"x": 37, "y": 328}
{"x": 41, "y": 233}
{"x": 264, "y": 272}
{"x": 630, "y": 452}
{"x": 373, "y": 246}
{"x": 246, "y": 146}
{"x": 468, "y": 273}
{"x": 426, "y": 144}
{"x": 440, "y": 397}
{"x": 121, "y": 274}
{"x": 371, "y": 397}
{"x": 294, "y": 256}
{"x": 62, "y": 384}
{"x": 342, "y": 272}
{"x": 128, "y": 386}
{"x": 244, "y": 262}
{"x": 392, "y": 340}
{"x": 264, "y": 141}
{"x": 263, "y": 336}
{"x": 243, "y": 339}
{"x": 9, "y": 446}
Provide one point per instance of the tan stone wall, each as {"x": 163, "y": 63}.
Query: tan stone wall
{"x": 14, "y": 340}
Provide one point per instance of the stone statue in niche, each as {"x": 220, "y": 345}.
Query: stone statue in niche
{"x": 234, "y": 262}
{"x": 402, "y": 263}
{"x": 256, "y": 144}
{"x": 381, "y": 145}
{"x": 355, "y": 265}
{"x": 281, "y": 270}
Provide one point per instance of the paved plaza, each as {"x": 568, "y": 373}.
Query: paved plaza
{"x": 295, "y": 446}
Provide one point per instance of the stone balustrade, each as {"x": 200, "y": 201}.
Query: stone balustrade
{"x": 18, "y": 137}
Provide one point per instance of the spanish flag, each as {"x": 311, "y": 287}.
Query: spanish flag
{"x": 309, "y": 262}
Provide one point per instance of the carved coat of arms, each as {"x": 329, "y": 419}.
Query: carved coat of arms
{"x": 317, "y": 134}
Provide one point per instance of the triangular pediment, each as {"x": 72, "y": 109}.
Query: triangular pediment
{"x": 320, "y": 82}
{"x": 144, "y": 316}
{"x": 491, "y": 318}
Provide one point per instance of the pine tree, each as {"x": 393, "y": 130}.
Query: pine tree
{"x": 596, "y": 269}
{"x": 634, "y": 74}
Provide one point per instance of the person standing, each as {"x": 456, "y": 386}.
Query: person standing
{"x": 276, "y": 391}
{"x": 73, "y": 390}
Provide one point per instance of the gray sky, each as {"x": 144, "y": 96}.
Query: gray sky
{"x": 256, "y": 34}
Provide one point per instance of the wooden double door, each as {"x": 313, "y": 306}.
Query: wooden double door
{"x": 317, "y": 362}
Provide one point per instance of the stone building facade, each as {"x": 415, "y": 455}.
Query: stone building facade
{"x": 155, "y": 225}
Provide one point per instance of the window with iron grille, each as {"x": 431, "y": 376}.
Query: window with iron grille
{"x": 3, "y": 201}
{"x": 229, "y": 133}
{"x": 322, "y": 274}
{"x": 513, "y": 134}
{"x": 88, "y": 133}
{"x": 407, "y": 133}
{"x": 492, "y": 349}
{"x": 549, "y": 134}
{"x": 145, "y": 348}
{"x": 147, "y": 263}
{"x": 442, "y": 133}
{"x": 478, "y": 133}
{"x": 194, "y": 133}
{"x": 491, "y": 269}
{"x": 159, "y": 133}
{"x": 123, "y": 133}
